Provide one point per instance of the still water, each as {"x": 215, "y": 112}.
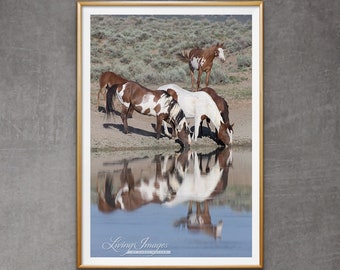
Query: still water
{"x": 168, "y": 204}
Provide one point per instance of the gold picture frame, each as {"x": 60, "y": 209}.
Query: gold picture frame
{"x": 160, "y": 254}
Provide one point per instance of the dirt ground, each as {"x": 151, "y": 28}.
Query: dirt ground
{"x": 107, "y": 133}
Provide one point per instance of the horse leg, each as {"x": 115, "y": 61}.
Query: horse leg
{"x": 197, "y": 123}
{"x": 159, "y": 126}
{"x": 193, "y": 82}
{"x": 166, "y": 131}
{"x": 190, "y": 209}
{"x": 101, "y": 85}
{"x": 104, "y": 91}
{"x": 207, "y": 76}
{"x": 130, "y": 112}
{"x": 123, "y": 115}
{"x": 207, "y": 167}
{"x": 100, "y": 92}
{"x": 208, "y": 125}
{"x": 98, "y": 96}
{"x": 206, "y": 212}
{"x": 199, "y": 78}
{"x": 200, "y": 132}
{"x": 200, "y": 165}
{"x": 198, "y": 209}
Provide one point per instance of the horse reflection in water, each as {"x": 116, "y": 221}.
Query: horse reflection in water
{"x": 179, "y": 178}
{"x": 200, "y": 187}
{"x": 200, "y": 220}
{"x": 133, "y": 193}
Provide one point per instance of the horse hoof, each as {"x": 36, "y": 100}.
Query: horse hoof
{"x": 101, "y": 109}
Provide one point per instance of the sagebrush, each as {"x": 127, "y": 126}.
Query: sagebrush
{"x": 143, "y": 48}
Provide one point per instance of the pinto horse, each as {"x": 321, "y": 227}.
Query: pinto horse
{"x": 108, "y": 78}
{"x": 199, "y": 105}
{"x": 201, "y": 60}
{"x": 160, "y": 104}
{"x": 223, "y": 107}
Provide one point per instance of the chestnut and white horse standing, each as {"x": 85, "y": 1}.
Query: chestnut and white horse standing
{"x": 201, "y": 60}
{"x": 199, "y": 105}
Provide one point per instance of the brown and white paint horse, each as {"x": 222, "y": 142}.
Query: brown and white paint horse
{"x": 223, "y": 107}
{"x": 160, "y": 104}
{"x": 108, "y": 78}
{"x": 201, "y": 60}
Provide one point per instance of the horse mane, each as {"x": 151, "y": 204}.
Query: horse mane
{"x": 176, "y": 113}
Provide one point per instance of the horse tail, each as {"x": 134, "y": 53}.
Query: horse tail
{"x": 183, "y": 56}
{"x": 111, "y": 91}
{"x": 110, "y": 200}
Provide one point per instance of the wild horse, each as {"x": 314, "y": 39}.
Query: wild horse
{"x": 223, "y": 107}
{"x": 160, "y": 104}
{"x": 200, "y": 106}
{"x": 201, "y": 60}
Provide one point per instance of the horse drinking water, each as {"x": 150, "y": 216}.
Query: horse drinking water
{"x": 200, "y": 105}
{"x": 201, "y": 60}
{"x": 223, "y": 107}
{"x": 160, "y": 104}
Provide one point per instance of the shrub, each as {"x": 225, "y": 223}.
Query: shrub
{"x": 243, "y": 61}
{"x": 143, "y": 48}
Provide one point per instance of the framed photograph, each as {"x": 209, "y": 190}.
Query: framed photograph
{"x": 169, "y": 134}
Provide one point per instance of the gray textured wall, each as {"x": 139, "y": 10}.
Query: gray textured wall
{"x": 38, "y": 134}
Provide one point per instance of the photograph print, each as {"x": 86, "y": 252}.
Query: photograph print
{"x": 169, "y": 142}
